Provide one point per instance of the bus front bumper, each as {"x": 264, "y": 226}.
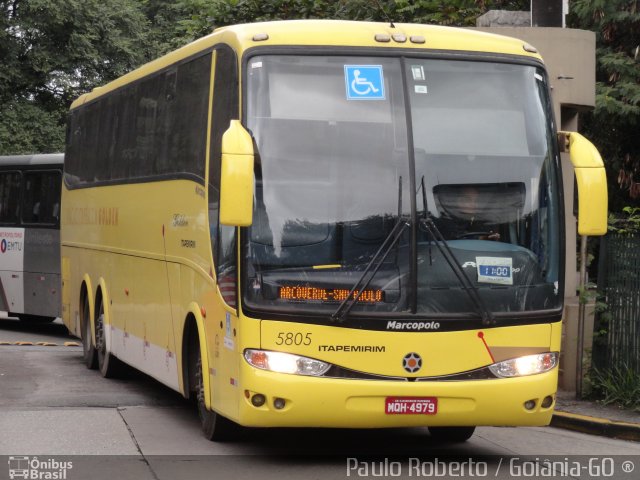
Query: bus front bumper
{"x": 302, "y": 401}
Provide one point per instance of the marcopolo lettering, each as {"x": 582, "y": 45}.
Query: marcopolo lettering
{"x": 395, "y": 325}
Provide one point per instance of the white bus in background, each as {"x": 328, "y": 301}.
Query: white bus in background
{"x": 30, "y": 236}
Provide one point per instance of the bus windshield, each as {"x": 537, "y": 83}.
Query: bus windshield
{"x": 347, "y": 147}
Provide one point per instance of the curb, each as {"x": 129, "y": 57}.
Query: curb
{"x": 596, "y": 426}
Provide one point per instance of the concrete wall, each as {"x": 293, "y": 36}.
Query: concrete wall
{"x": 570, "y": 59}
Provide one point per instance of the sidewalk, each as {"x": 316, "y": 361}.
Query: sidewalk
{"x": 590, "y": 417}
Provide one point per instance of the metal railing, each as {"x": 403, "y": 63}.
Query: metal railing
{"x": 617, "y": 328}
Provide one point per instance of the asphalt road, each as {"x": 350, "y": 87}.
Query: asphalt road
{"x": 52, "y": 408}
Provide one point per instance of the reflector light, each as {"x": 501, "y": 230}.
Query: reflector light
{"x": 417, "y": 39}
{"x": 382, "y": 37}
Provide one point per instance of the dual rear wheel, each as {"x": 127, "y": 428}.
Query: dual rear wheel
{"x": 96, "y": 356}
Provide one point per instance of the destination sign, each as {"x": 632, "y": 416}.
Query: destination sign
{"x": 329, "y": 295}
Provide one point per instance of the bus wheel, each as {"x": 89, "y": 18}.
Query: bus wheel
{"x": 214, "y": 426}
{"x": 108, "y": 365}
{"x": 88, "y": 349}
{"x": 451, "y": 434}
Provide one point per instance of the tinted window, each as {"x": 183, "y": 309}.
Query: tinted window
{"x": 225, "y": 108}
{"x": 9, "y": 197}
{"x": 41, "y": 198}
{"x": 151, "y": 128}
{"x": 189, "y": 133}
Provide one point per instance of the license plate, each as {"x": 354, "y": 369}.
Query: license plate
{"x": 411, "y": 405}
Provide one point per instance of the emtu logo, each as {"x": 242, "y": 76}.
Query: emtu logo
{"x": 12, "y": 246}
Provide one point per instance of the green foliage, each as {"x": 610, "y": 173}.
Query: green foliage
{"x": 626, "y": 224}
{"x": 615, "y": 122}
{"x": 199, "y": 17}
{"x": 51, "y": 51}
{"x": 618, "y": 385}
{"x": 26, "y": 127}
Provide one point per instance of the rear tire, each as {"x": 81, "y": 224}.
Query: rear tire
{"x": 109, "y": 366}
{"x": 215, "y": 427}
{"x": 451, "y": 434}
{"x": 88, "y": 349}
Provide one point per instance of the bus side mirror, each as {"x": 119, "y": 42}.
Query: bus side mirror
{"x": 591, "y": 180}
{"x": 236, "y": 178}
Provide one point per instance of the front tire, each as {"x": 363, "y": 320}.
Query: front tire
{"x": 451, "y": 434}
{"x": 215, "y": 427}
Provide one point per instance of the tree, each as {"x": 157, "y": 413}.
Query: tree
{"x": 51, "y": 51}
{"x": 207, "y": 14}
{"x": 614, "y": 125}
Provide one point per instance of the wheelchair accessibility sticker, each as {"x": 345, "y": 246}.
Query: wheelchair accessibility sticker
{"x": 364, "y": 82}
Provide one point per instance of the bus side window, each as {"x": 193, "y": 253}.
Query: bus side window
{"x": 9, "y": 197}
{"x": 225, "y": 109}
{"x": 41, "y": 194}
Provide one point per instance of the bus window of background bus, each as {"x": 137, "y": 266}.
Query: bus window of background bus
{"x": 41, "y": 198}
{"x": 225, "y": 109}
{"x": 9, "y": 197}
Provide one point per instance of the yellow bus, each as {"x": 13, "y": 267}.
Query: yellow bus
{"x": 328, "y": 224}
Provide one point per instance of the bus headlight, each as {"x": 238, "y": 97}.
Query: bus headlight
{"x": 528, "y": 365}
{"x": 285, "y": 363}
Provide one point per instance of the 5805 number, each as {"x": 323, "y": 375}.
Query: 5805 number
{"x": 290, "y": 338}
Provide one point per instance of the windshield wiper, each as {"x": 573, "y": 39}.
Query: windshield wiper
{"x": 467, "y": 285}
{"x": 374, "y": 264}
